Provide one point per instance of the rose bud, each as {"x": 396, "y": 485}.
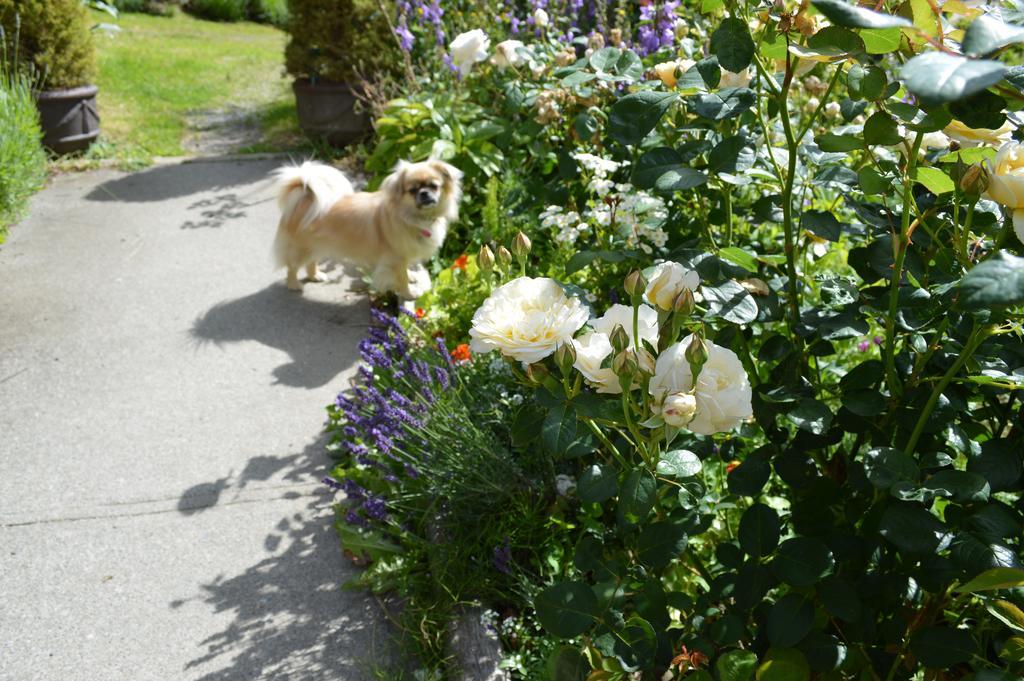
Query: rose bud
{"x": 619, "y": 338}
{"x": 697, "y": 351}
{"x": 635, "y": 285}
{"x": 565, "y": 358}
{"x": 485, "y": 259}
{"x": 678, "y": 409}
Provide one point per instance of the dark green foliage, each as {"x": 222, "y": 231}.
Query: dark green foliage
{"x": 53, "y": 37}
{"x": 341, "y": 41}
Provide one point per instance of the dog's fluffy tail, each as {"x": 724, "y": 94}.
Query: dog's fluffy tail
{"x": 304, "y": 193}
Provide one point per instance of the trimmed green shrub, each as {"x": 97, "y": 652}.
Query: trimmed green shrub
{"x": 343, "y": 41}
{"x": 53, "y": 37}
{"x": 269, "y": 12}
{"x": 21, "y": 151}
{"x": 145, "y": 7}
{"x": 218, "y": 10}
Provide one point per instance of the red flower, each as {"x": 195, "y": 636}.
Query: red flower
{"x": 731, "y": 466}
{"x": 461, "y": 262}
{"x": 420, "y": 313}
{"x": 461, "y": 352}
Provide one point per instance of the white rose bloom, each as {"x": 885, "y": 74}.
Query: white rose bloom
{"x": 506, "y": 53}
{"x": 469, "y": 48}
{"x": 678, "y": 409}
{"x": 1006, "y": 182}
{"x": 540, "y": 18}
{"x": 667, "y": 281}
{"x": 647, "y": 322}
{"x": 526, "y": 319}
{"x": 723, "y": 391}
{"x": 730, "y": 79}
{"x": 591, "y": 350}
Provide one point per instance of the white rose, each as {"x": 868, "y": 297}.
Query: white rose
{"x": 540, "y": 18}
{"x": 667, "y": 281}
{"x": 975, "y": 137}
{"x": 647, "y": 322}
{"x": 1006, "y": 182}
{"x": 722, "y": 393}
{"x": 469, "y": 48}
{"x": 506, "y": 53}
{"x": 591, "y": 351}
{"x": 526, "y": 319}
{"x": 678, "y": 409}
{"x": 666, "y": 71}
{"x": 730, "y": 79}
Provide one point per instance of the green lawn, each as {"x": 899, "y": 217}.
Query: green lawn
{"x": 157, "y": 72}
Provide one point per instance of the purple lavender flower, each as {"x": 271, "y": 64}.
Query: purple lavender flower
{"x": 375, "y": 508}
{"x": 353, "y": 518}
{"x": 332, "y": 483}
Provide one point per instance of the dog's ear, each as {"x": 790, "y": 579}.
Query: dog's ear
{"x": 394, "y": 183}
{"x": 448, "y": 171}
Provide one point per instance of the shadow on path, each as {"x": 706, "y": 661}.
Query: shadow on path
{"x": 319, "y": 337}
{"x": 175, "y": 180}
{"x": 290, "y": 617}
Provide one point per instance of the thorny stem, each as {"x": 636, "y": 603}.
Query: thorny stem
{"x": 787, "y": 204}
{"x": 902, "y": 243}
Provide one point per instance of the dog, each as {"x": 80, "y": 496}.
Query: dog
{"x": 389, "y": 233}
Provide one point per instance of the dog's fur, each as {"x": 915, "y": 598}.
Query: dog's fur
{"x": 389, "y": 232}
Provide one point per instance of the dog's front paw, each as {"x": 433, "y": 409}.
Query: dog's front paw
{"x": 419, "y": 282}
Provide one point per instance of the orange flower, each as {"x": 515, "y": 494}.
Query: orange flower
{"x": 461, "y": 352}
{"x": 689, "y": 660}
{"x": 731, "y": 466}
{"x": 420, "y": 313}
{"x": 461, "y": 262}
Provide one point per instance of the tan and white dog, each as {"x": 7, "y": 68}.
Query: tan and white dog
{"x": 390, "y": 232}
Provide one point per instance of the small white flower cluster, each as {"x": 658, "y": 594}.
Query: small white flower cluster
{"x": 567, "y": 225}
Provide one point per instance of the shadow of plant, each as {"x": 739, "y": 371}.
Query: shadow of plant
{"x": 218, "y": 210}
{"x": 291, "y": 619}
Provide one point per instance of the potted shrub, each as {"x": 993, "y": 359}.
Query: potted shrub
{"x": 337, "y": 47}
{"x": 54, "y": 37}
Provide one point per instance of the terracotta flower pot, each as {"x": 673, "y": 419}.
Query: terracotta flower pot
{"x": 327, "y": 111}
{"x": 69, "y": 118}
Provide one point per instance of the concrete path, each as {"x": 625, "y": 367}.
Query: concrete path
{"x": 161, "y": 404}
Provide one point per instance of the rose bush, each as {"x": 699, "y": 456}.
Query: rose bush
{"x": 767, "y": 319}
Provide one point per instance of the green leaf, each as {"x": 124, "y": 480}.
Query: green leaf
{"x": 736, "y": 665}
{"x": 1013, "y": 649}
{"x": 942, "y": 647}
{"x": 880, "y": 128}
{"x": 566, "y": 609}
{"x": 996, "y": 578}
{"x": 886, "y": 466}
{"x": 811, "y": 415}
{"x": 636, "y": 643}
{"x": 866, "y": 402}
{"x": 567, "y": 664}
{"x": 936, "y": 77}
{"x": 789, "y": 620}
{"x": 936, "y": 181}
{"x": 1007, "y": 613}
{"x": 653, "y": 164}
{"x": 851, "y": 16}
{"x": 996, "y": 282}
{"x": 596, "y": 484}
{"x": 679, "y": 463}
{"x": 732, "y": 44}
{"x": 881, "y": 40}
{"x": 866, "y": 82}
{"x": 732, "y": 155}
{"x": 636, "y": 496}
{"x": 731, "y": 302}
{"x": 759, "y": 531}
{"x": 832, "y": 142}
{"x": 999, "y": 462}
{"x": 840, "y": 598}
{"x": 738, "y": 256}
{"x": 802, "y": 561}
{"x": 632, "y": 117}
{"x": 987, "y": 34}
{"x": 872, "y": 182}
{"x": 660, "y": 543}
{"x": 912, "y": 528}
{"x": 360, "y": 541}
{"x": 784, "y": 664}
{"x": 962, "y": 486}
{"x": 561, "y": 435}
{"x": 584, "y": 258}
{"x": 727, "y": 103}
{"x": 822, "y": 223}
{"x": 750, "y": 477}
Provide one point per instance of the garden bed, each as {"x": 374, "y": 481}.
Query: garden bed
{"x": 719, "y": 376}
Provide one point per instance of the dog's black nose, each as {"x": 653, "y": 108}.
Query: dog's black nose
{"x": 426, "y": 198}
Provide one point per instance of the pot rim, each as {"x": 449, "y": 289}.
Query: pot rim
{"x": 306, "y": 83}
{"x": 80, "y": 92}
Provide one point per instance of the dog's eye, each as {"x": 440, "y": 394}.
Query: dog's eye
{"x": 432, "y": 185}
